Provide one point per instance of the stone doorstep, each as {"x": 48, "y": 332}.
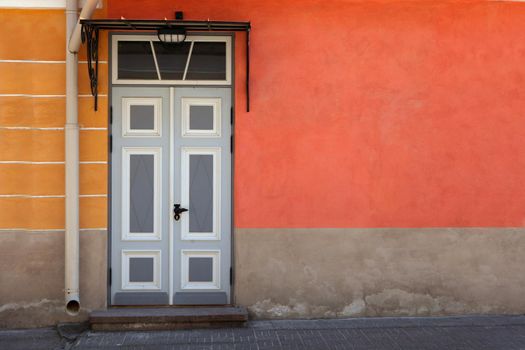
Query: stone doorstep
{"x": 122, "y": 327}
{"x": 167, "y": 318}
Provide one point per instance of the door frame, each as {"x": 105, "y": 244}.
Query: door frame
{"x": 171, "y": 88}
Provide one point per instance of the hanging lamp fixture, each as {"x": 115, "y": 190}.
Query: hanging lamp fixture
{"x": 171, "y": 35}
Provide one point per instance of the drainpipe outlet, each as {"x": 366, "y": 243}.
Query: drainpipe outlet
{"x": 72, "y": 303}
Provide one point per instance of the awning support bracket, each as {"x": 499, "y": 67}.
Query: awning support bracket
{"x": 248, "y": 70}
{"x": 90, "y": 36}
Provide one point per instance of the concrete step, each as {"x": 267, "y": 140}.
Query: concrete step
{"x": 167, "y": 318}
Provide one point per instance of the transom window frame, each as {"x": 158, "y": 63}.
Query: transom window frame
{"x": 190, "y": 38}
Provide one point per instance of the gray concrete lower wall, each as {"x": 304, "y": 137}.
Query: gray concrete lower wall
{"x": 301, "y": 273}
{"x": 297, "y": 273}
{"x": 32, "y": 277}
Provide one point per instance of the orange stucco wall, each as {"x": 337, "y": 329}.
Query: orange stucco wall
{"x": 32, "y": 117}
{"x": 374, "y": 114}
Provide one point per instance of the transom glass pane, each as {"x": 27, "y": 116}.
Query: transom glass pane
{"x": 135, "y": 61}
{"x": 201, "y": 193}
{"x": 207, "y": 62}
{"x": 172, "y": 59}
{"x": 153, "y": 60}
{"x": 141, "y": 117}
{"x": 141, "y": 192}
{"x": 201, "y": 117}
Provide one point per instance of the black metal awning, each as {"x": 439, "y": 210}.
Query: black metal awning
{"x": 91, "y": 28}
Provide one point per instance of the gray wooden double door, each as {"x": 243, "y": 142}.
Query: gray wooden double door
{"x": 171, "y": 196}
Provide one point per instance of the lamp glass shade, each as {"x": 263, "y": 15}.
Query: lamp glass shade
{"x": 171, "y": 35}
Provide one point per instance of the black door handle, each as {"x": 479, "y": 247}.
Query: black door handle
{"x": 177, "y": 210}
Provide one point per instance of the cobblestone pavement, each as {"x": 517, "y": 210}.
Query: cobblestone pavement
{"x": 461, "y": 333}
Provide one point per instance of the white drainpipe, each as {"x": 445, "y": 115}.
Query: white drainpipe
{"x": 72, "y": 256}
{"x": 86, "y": 13}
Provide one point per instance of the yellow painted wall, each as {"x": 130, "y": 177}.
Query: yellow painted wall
{"x": 32, "y": 117}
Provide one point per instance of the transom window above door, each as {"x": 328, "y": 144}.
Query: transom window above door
{"x": 199, "y": 60}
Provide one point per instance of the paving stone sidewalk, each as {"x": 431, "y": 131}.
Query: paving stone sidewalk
{"x": 461, "y": 333}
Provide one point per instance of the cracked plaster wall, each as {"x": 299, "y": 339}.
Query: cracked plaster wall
{"x": 32, "y": 277}
{"x": 298, "y": 273}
